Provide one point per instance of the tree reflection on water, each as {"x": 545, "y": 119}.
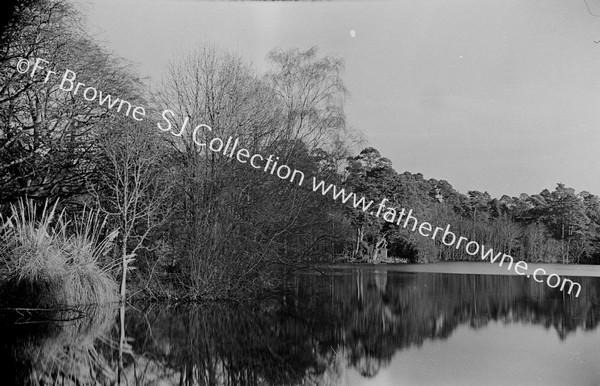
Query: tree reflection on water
{"x": 319, "y": 326}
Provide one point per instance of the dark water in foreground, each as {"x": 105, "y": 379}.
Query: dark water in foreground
{"x": 353, "y": 326}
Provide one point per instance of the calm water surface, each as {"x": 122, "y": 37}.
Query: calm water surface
{"x": 350, "y": 326}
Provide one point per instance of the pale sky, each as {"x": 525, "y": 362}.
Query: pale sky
{"x": 500, "y": 96}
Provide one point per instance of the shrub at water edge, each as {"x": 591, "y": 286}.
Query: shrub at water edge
{"x": 46, "y": 261}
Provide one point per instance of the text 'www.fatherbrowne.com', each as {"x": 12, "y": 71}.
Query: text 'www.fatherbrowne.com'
{"x": 68, "y": 82}
{"x": 444, "y": 235}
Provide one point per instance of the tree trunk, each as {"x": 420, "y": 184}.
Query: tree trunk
{"x": 378, "y": 245}
{"x": 124, "y": 268}
{"x": 359, "y": 239}
{"x": 122, "y": 342}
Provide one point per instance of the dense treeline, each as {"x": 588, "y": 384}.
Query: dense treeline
{"x": 552, "y": 226}
{"x": 188, "y": 219}
{"x": 197, "y": 221}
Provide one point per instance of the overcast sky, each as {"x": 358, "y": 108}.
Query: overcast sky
{"x": 499, "y": 96}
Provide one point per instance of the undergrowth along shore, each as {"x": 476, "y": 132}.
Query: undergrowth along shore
{"x": 47, "y": 261}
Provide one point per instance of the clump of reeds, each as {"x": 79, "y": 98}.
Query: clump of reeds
{"x": 47, "y": 261}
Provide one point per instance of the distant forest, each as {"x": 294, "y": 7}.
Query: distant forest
{"x": 558, "y": 226}
{"x": 198, "y": 221}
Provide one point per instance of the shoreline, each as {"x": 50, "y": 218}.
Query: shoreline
{"x": 474, "y": 268}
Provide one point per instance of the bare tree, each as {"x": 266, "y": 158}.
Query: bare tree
{"x": 133, "y": 191}
{"x": 312, "y": 93}
{"x": 233, "y": 221}
{"x": 48, "y": 136}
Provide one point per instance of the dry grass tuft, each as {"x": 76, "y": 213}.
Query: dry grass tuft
{"x": 43, "y": 264}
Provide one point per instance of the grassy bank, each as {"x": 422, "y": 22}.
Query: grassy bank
{"x": 47, "y": 261}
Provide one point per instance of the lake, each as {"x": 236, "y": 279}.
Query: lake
{"x": 347, "y": 325}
